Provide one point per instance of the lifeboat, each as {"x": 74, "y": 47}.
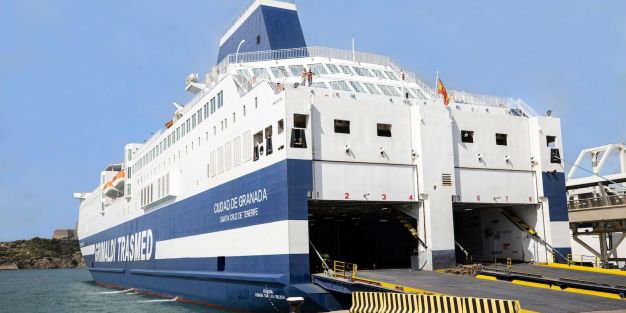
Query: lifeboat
{"x": 110, "y": 191}
{"x": 118, "y": 181}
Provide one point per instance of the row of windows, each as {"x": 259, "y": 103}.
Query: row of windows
{"x": 179, "y": 132}
{"x": 343, "y": 127}
{"x": 467, "y": 136}
{"x": 162, "y": 190}
{"x": 322, "y": 69}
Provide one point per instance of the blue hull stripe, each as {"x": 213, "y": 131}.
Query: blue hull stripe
{"x": 253, "y": 282}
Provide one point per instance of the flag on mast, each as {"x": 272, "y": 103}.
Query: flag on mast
{"x": 441, "y": 89}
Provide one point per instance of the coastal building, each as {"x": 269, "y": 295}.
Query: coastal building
{"x": 65, "y": 234}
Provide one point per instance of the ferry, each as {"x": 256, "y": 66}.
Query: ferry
{"x": 289, "y": 156}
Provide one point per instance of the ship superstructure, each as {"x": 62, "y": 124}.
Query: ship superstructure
{"x": 365, "y": 162}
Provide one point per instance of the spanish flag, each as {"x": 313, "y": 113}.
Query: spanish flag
{"x": 441, "y": 89}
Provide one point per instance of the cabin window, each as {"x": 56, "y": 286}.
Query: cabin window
{"x": 501, "y": 139}
{"x": 342, "y": 126}
{"x": 268, "y": 140}
{"x": 193, "y": 121}
{"x": 551, "y": 141}
{"x": 244, "y": 110}
{"x": 220, "y": 99}
{"x": 281, "y": 126}
{"x": 199, "y": 116}
{"x": 467, "y": 136}
{"x": 298, "y": 138}
{"x": 212, "y": 105}
{"x": 258, "y": 39}
{"x": 206, "y": 110}
{"x": 256, "y": 102}
{"x": 383, "y": 130}
{"x": 258, "y": 146}
{"x": 300, "y": 120}
{"x": 234, "y": 118}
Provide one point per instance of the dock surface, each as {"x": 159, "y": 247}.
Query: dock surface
{"x": 531, "y": 298}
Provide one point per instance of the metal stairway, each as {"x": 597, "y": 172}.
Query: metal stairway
{"x": 522, "y": 225}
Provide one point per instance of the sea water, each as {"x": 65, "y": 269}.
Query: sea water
{"x": 72, "y": 290}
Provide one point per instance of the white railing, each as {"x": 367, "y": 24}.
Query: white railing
{"x": 492, "y": 101}
{"x": 221, "y": 69}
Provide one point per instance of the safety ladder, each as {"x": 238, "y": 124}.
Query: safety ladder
{"x": 409, "y": 227}
{"x": 522, "y": 225}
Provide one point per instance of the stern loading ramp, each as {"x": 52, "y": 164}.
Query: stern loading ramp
{"x": 377, "y": 234}
{"x": 531, "y": 298}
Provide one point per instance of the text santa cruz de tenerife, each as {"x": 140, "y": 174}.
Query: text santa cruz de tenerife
{"x": 240, "y": 202}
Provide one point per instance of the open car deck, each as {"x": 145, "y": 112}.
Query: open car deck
{"x": 531, "y": 298}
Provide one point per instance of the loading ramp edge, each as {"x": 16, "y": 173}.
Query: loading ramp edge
{"x": 574, "y": 285}
{"x": 585, "y": 268}
{"x": 355, "y": 283}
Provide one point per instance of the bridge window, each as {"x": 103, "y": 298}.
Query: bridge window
{"x": 319, "y": 85}
{"x": 383, "y": 130}
{"x": 279, "y": 71}
{"x": 389, "y": 91}
{"x": 260, "y": 73}
{"x": 339, "y": 85}
{"x": 391, "y": 75}
{"x": 357, "y": 86}
{"x": 333, "y": 68}
{"x": 346, "y": 69}
{"x": 361, "y": 71}
{"x": 551, "y": 141}
{"x": 296, "y": 70}
{"x": 501, "y": 139}
{"x": 342, "y": 126}
{"x": 371, "y": 88}
{"x": 318, "y": 69}
{"x": 467, "y": 136}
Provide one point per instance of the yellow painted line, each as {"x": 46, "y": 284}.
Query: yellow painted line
{"x": 573, "y": 290}
{"x": 486, "y": 277}
{"x": 527, "y": 311}
{"x": 586, "y": 269}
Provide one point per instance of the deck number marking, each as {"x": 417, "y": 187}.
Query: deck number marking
{"x": 410, "y": 197}
{"x": 384, "y": 196}
{"x": 346, "y": 195}
{"x": 478, "y": 198}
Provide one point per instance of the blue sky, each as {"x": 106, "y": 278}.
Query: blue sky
{"x": 79, "y": 79}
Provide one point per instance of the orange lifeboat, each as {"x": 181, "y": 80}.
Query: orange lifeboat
{"x": 118, "y": 181}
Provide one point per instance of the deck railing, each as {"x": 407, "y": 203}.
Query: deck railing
{"x": 597, "y": 202}
{"x": 219, "y": 71}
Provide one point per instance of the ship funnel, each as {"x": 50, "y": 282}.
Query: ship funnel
{"x": 265, "y": 25}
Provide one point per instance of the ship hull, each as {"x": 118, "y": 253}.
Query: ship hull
{"x": 240, "y": 245}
